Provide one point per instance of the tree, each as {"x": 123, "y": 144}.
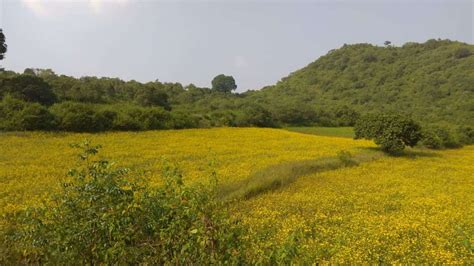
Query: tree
{"x": 255, "y": 115}
{"x": 391, "y": 132}
{"x": 3, "y": 45}
{"x": 387, "y": 43}
{"x": 150, "y": 96}
{"x": 29, "y": 88}
{"x": 223, "y": 83}
{"x": 80, "y": 117}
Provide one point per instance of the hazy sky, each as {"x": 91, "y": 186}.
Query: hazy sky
{"x": 258, "y": 42}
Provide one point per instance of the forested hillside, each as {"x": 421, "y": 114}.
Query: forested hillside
{"x": 432, "y": 81}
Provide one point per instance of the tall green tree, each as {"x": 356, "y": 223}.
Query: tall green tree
{"x": 223, "y": 83}
{"x": 3, "y": 45}
{"x": 28, "y": 88}
{"x": 392, "y": 132}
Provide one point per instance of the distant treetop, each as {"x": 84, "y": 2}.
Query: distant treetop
{"x": 3, "y": 45}
{"x": 223, "y": 83}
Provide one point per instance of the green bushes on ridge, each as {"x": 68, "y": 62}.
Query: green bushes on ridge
{"x": 431, "y": 82}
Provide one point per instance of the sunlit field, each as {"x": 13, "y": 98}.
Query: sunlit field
{"x": 417, "y": 208}
{"x": 32, "y": 164}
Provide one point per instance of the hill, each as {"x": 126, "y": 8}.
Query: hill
{"x": 432, "y": 81}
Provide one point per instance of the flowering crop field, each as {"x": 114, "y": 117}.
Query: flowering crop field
{"x": 395, "y": 209}
{"x": 32, "y": 164}
{"x": 414, "y": 208}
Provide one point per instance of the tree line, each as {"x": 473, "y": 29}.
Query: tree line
{"x": 431, "y": 82}
{"x": 39, "y": 99}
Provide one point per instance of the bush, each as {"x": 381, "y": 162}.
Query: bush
{"x": 104, "y": 215}
{"x": 35, "y": 117}
{"x": 438, "y": 137}
{"x": 19, "y": 115}
{"x": 180, "y": 120}
{"x": 466, "y": 135}
{"x": 104, "y": 119}
{"x": 154, "y": 118}
{"x": 391, "y": 132}
{"x": 223, "y": 118}
{"x": 255, "y": 115}
{"x": 462, "y": 53}
{"x": 9, "y": 108}
{"x": 345, "y": 116}
{"x": 128, "y": 119}
{"x": 430, "y": 139}
{"x": 448, "y": 139}
{"x": 80, "y": 117}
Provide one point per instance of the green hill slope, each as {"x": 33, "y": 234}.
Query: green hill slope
{"x": 432, "y": 81}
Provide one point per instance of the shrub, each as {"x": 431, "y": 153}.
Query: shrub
{"x": 430, "y": 139}
{"x": 255, "y": 115}
{"x": 462, "y": 53}
{"x": 438, "y": 137}
{"x": 223, "y": 118}
{"x": 35, "y": 117}
{"x": 154, "y": 118}
{"x": 391, "y": 132}
{"x": 19, "y": 115}
{"x": 180, "y": 120}
{"x": 104, "y": 215}
{"x": 466, "y": 135}
{"x": 448, "y": 139}
{"x": 127, "y": 119}
{"x": 345, "y": 116}
{"x": 9, "y": 107}
{"x": 79, "y": 117}
{"x": 104, "y": 119}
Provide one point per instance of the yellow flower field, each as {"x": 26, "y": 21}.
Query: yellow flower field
{"x": 32, "y": 164}
{"x": 405, "y": 209}
{"x": 417, "y": 208}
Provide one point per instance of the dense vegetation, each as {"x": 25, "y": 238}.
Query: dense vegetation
{"x": 3, "y": 46}
{"x": 391, "y": 132}
{"x": 431, "y": 82}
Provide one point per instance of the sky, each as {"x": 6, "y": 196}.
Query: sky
{"x": 257, "y": 42}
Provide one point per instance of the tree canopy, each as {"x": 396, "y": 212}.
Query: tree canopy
{"x": 431, "y": 82}
{"x": 392, "y": 132}
{"x": 3, "y": 45}
{"x": 223, "y": 83}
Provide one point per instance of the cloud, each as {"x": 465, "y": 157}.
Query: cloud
{"x": 48, "y": 8}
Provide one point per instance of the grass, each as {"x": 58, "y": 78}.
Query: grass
{"x": 281, "y": 175}
{"x": 342, "y": 132}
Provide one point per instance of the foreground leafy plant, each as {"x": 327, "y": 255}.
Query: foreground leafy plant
{"x": 105, "y": 215}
